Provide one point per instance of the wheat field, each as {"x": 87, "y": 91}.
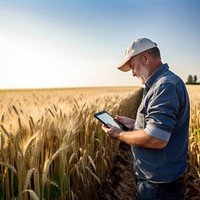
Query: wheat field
{"x": 51, "y": 146}
{"x": 193, "y": 174}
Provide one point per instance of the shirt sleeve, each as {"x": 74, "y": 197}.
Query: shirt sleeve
{"x": 162, "y": 111}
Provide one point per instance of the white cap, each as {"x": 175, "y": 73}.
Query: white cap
{"x": 134, "y": 48}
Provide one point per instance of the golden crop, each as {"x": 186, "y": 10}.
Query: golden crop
{"x": 193, "y": 174}
{"x": 51, "y": 146}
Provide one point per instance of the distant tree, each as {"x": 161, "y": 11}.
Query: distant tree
{"x": 195, "y": 79}
{"x": 192, "y": 79}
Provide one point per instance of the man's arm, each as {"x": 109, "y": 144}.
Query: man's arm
{"x": 141, "y": 139}
{"x": 137, "y": 138}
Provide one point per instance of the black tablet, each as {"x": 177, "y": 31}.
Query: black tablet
{"x": 107, "y": 119}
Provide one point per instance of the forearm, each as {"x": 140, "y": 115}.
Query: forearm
{"x": 141, "y": 139}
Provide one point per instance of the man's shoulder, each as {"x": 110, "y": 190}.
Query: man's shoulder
{"x": 168, "y": 77}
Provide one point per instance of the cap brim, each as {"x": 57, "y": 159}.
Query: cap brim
{"x": 124, "y": 66}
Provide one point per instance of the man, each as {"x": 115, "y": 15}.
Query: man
{"x": 159, "y": 135}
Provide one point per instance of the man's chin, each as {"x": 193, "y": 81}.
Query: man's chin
{"x": 141, "y": 80}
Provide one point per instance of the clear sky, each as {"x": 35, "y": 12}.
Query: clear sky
{"x": 79, "y": 43}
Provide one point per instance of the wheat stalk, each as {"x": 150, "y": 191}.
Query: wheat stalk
{"x": 9, "y": 135}
{"x": 73, "y": 157}
{"x": 28, "y": 178}
{"x": 93, "y": 174}
{"x": 2, "y": 118}
{"x": 16, "y": 111}
{"x": 28, "y": 144}
{"x": 92, "y": 162}
{"x": 9, "y": 166}
{"x": 32, "y": 194}
{"x": 49, "y": 161}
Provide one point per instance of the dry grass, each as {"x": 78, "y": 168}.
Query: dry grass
{"x": 51, "y": 146}
{"x": 193, "y": 174}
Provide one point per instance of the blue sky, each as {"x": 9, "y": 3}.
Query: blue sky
{"x": 79, "y": 43}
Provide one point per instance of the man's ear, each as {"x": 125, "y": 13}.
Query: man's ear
{"x": 145, "y": 58}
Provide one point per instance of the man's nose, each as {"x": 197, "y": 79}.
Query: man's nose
{"x": 132, "y": 69}
{"x": 133, "y": 72}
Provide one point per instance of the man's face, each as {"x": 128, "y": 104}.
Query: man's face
{"x": 139, "y": 69}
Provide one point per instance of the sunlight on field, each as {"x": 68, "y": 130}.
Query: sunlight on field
{"x": 193, "y": 174}
{"x": 51, "y": 146}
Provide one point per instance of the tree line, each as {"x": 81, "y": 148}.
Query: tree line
{"x": 192, "y": 80}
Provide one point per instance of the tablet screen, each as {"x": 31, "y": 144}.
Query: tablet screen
{"x": 106, "y": 118}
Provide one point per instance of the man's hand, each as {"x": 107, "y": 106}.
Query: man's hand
{"x": 112, "y": 132}
{"x": 126, "y": 121}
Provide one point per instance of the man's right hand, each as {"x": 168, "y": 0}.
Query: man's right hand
{"x": 126, "y": 121}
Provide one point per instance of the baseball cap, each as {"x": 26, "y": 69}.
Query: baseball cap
{"x": 134, "y": 48}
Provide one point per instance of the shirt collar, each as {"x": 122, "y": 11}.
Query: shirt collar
{"x": 153, "y": 78}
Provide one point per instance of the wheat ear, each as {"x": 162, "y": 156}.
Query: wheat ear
{"x": 32, "y": 194}
{"x": 9, "y": 166}
{"x": 28, "y": 178}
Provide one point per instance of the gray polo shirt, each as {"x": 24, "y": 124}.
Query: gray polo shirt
{"x": 164, "y": 114}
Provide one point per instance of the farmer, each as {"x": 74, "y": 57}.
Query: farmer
{"x": 159, "y": 134}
